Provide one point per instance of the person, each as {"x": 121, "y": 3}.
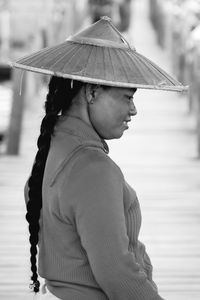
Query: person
{"x": 82, "y": 214}
{"x": 99, "y": 8}
{"x": 119, "y": 11}
{"x": 125, "y": 15}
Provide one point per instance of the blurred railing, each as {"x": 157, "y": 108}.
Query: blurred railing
{"x": 27, "y": 26}
{"x": 177, "y": 25}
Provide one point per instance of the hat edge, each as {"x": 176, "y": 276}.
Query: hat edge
{"x": 179, "y": 88}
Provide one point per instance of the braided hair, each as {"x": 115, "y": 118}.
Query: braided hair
{"x": 58, "y": 101}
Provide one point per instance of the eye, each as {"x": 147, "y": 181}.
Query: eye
{"x": 130, "y": 99}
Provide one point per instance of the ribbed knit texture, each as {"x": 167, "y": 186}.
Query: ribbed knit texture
{"x": 90, "y": 222}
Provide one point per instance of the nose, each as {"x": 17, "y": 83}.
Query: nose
{"x": 133, "y": 110}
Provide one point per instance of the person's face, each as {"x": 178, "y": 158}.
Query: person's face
{"x": 111, "y": 111}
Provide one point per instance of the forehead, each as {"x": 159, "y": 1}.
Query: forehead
{"x": 121, "y": 91}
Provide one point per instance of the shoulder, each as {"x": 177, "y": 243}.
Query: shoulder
{"x": 85, "y": 161}
{"x": 91, "y": 160}
{"x": 92, "y": 180}
{"x": 88, "y": 168}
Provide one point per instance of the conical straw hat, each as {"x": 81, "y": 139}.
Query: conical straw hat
{"x": 100, "y": 54}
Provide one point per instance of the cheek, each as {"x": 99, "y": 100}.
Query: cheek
{"x": 100, "y": 117}
{"x": 109, "y": 114}
{"x": 119, "y": 113}
{"x": 114, "y": 110}
{"x": 108, "y": 121}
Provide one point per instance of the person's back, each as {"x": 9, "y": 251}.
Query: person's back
{"x": 62, "y": 260}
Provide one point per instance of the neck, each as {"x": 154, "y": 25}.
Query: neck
{"x": 79, "y": 109}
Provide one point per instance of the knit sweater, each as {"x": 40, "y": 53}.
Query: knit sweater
{"x": 90, "y": 222}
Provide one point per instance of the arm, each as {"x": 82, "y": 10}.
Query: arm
{"x": 147, "y": 263}
{"x": 97, "y": 186}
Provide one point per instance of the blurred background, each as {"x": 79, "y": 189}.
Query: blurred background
{"x": 159, "y": 155}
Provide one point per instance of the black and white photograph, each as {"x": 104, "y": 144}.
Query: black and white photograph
{"x": 100, "y": 149}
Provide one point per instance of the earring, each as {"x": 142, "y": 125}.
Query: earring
{"x": 91, "y": 102}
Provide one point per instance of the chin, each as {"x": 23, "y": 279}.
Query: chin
{"x": 114, "y": 136}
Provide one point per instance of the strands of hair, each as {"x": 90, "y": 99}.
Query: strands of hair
{"x": 58, "y": 101}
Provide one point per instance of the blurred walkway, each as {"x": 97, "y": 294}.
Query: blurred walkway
{"x": 158, "y": 158}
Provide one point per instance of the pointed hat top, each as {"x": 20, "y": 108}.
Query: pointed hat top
{"x": 102, "y": 33}
{"x": 100, "y": 54}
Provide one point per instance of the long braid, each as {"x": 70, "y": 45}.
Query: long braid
{"x": 58, "y": 101}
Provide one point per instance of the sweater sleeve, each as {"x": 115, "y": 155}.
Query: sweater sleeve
{"x": 147, "y": 263}
{"x": 97, "y": 185}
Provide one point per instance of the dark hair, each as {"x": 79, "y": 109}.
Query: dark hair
{"x": 58, "y": 101}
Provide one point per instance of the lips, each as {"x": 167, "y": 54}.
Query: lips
{"x": 125, "y": 122}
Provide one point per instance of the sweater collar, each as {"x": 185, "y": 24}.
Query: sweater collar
{"x": 75, "y": 126}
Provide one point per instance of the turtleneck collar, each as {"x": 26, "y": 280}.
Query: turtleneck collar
{"x": 77, "y": 127}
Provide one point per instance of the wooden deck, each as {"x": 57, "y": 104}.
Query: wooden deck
{"x": 158, "y": 157}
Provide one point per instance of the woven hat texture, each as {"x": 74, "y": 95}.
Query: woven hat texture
{"x": 100, "y": 54}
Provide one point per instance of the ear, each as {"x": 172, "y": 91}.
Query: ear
{"x": 91, "y": 92}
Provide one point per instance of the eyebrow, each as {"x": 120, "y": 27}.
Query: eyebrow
{"x": 129, "y": 95}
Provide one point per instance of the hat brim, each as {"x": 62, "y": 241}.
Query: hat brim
{"x": 85, "y": 79}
